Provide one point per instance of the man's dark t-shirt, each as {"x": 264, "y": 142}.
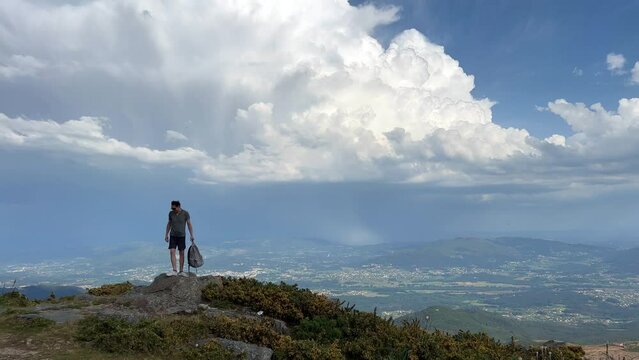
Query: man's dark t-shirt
{"x": 178, "y": 222}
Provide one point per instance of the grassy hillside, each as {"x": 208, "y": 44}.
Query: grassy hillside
{"x": 473, "y": 320}
{"x": 316, "y": 327}
{"x": 527, "y": 332}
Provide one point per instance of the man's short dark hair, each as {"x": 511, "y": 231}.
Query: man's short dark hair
{"x": 175, "y": 203}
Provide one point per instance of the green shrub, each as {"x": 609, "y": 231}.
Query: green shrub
{"x": 282, "y": 301}
{"x": 116, "y": 335}
{"x": 171, "y": 334}
{"x": 255, "y": 331}
{"x": 209, "y": 351}
{"x": 321, "y": 329}
{"x": 292, "y": 349}
{"x": 14, "y": 298}
{"x": 184, "y": 329}
{"x": 111, "y": 289}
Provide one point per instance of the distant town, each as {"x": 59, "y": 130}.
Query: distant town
{"x": 544, "y": 288}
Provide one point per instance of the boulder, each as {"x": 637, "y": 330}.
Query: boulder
{"x": 169, "y": 294}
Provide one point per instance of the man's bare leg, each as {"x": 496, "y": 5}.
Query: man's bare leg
{"x": 172, "y": 251}
{"x": 181, "y": 260}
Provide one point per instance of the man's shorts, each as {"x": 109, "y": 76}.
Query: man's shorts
{"x": 177, "y": 241}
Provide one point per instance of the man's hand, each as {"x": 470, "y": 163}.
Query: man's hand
{"x": 192, "y": 238}
{"x": 166, "y": 238}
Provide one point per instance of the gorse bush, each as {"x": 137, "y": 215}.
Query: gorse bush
{"x": 282, "y": 301}
{"x": 210, "y": 351}
{"x": 116, "y": 335}
{"x": 255, "y": 331}
{"x": 292, "y": 349}
{"x": 176, "y": 335}
{"x": 111, "y": 289}
{"x": 165, "y": 336}
{"x": 322, "y": 328}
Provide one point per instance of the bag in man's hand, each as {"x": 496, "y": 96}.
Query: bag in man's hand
{"x": 194, "y": 257}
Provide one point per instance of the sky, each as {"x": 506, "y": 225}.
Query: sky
{"x": 356, "y": 123}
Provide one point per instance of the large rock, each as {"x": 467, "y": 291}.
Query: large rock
{"x": 170, "y": 294}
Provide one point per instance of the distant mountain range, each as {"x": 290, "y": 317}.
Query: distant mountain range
{"x": 42, "y": 292}
{"x": 499, "y": 251}
{"x": 502, "y": 328}
{"x": 534, "y": 278}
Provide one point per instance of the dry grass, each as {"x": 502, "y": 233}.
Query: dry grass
{"x": 596, "y": 352}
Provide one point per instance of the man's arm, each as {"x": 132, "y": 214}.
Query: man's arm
{"x": 166, "y": 233}
{"x": 188, "y": 222}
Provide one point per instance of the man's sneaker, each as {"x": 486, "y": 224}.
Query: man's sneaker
{"x": 171, "y": 273}
{"x": 182, "y": 273}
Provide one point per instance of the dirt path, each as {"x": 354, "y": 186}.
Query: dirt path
{"x": 12, "y": 348}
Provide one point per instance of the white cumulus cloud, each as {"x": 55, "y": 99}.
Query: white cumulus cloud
{"x": 604, "y": 145}
{"x": 274, "y": 91}
{"x": 85, "y": 136}
{"x": 615, "y": 63}
{"x": 634, "y": 73}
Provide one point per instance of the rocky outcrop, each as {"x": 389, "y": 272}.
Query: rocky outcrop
{"x": 169, "y": 294}
{"x": 166, "y": 295}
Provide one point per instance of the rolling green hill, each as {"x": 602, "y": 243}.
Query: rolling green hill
{"x": 474, "y": 320}
{"x": 42, "y": 292}
{"x": 526, "y": 332}
{"x": 485, "y": 252}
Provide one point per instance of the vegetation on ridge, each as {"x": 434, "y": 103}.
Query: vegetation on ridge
{"x": 14, "y": 298}
{"x": 319, "y": 328}
{"x": 318, "y": 322}
{"x": 111, "y": 289}
{"x": 281, "y": 301}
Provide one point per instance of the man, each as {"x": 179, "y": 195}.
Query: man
{"x": 178, "y": 219}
